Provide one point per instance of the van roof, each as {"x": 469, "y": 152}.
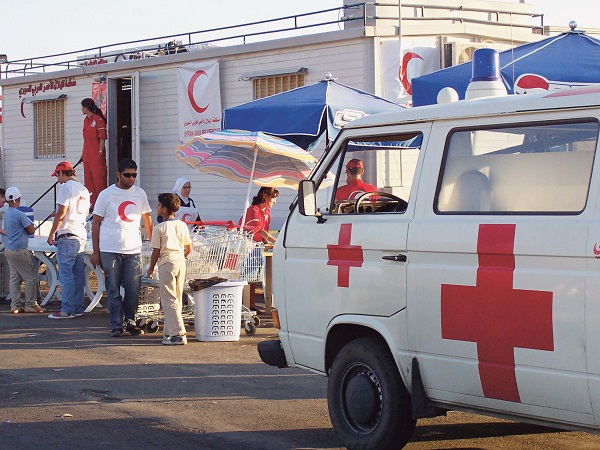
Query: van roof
{"x": 580, "y": 97}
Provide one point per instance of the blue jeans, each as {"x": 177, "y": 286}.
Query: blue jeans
{"x": 71, "y": 273}
{"x": 122, "y": 270}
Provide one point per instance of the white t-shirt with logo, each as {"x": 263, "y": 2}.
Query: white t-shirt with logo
{"x": 121, "y": 211}
{"x": 76, "y": 198}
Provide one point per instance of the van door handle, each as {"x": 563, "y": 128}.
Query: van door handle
{"x": 398, "y": 258}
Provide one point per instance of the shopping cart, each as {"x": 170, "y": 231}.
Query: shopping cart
{"x": 219, "y": 249}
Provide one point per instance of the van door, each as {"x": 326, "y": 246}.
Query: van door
{"x": 500, "y": 269}
{"x": 352, "y": 261}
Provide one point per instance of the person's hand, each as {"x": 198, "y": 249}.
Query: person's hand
{"x": 95, "y": 259}
{"x": 150, "y": 272}
{"x": 51, "y": 240}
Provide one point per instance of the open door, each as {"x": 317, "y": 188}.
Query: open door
{"x": 123, "y": 119}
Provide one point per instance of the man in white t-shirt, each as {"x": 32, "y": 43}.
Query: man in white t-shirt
{"x": 72, "y": 206}
{"x": 117, "y": 243}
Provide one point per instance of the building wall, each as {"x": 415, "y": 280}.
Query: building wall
{"x": 216, "y": 198}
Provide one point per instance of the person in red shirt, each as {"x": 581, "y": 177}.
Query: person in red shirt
{"x": 93, "y": 154}
{"x": 258, "y": 217}
{"x": 355, "y": 185}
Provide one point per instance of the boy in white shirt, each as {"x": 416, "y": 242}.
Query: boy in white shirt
{"x": 72, "y": 205}
{"x": 171, "y": 245}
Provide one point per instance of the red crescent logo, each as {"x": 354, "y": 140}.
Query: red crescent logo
{"x": 22, "y": 111}
{"x": 402, "y": 73}
{"x": 191, "y": 91}
{"x": 596, "y": 249}
{"x": 185, "y": 217}
{"x": 79, "y": 200}
{"x": 121, "y": 211}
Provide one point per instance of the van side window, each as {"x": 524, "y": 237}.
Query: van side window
{"x": 534, "y": 168}
{"x": 373, "y": 175}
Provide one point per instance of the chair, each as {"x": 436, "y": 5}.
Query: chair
{"x": 472, "y": 193}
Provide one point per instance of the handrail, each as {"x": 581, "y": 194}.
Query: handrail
{"x": 157, "y": 46}
{"x": 53, "y": 187}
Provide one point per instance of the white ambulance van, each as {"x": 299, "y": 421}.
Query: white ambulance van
{"x": 469, "y": 279}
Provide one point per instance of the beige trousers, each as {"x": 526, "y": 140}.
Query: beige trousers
{"x": 172, "y": 277}
{"x": 22, "y": 268}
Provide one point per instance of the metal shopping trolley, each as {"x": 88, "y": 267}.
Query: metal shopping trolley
{"x": 219, "y": 249}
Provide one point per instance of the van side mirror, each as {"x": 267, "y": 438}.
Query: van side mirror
{"x": 307, "y": 201}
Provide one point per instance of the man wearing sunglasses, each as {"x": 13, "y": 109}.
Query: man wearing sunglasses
{"x": 117, "y": 242}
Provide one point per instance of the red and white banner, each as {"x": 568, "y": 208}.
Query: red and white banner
{"x": 399, "y": 65}
{"x": 199, "y": 98}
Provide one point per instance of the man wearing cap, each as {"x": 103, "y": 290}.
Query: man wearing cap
{"x": 18, "y": 227}
{"x": 355, "y": 185}
{"x": 72, "y": 205}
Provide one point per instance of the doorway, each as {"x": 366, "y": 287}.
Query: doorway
{"x": 122, "y": 120}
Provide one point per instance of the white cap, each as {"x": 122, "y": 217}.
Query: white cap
{"x": 12, "y": 194}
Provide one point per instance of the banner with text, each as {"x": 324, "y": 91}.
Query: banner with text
{"x": 199, "y": 98}
{"x": 399, "y": 65}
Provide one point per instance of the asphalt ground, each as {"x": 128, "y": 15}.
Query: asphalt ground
{"x": 65, "y": 384}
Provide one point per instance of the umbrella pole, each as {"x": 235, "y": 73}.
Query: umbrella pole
{"x": 247, "y": 205}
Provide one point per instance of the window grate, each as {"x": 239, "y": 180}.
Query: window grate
{"x": 49, "y": 129}
{"x": 265, "y": 86}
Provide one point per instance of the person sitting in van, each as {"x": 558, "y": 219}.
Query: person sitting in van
{"x": 355, "y": 185}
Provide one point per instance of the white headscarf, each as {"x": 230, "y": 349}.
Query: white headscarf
{"x": 177, "y": 188}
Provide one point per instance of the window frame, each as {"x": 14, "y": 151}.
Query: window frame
{"x": 500, "y": 126}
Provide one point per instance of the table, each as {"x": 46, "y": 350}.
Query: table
{"x": 268, "y": 287}
{"x": 46, "y": 253}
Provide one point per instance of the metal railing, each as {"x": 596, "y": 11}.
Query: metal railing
{"x": 53, "y": 190}
{"x": 235, "y": 34}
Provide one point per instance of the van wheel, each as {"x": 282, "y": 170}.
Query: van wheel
{"x": 369, "y": 405}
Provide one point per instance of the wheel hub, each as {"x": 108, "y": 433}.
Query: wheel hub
{"x": 362, "y": 399}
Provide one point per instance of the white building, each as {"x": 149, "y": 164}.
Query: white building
{"x": 364, "y": 48}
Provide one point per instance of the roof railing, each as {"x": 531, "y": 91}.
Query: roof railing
{"x": 234, "y": 34}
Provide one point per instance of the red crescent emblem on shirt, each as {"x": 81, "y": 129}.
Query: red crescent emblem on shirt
{"x": 190, "y": 90}
{"x": 186, "y": 217}
{"x": 597, "y": 250}
{"x": 78, "y": 206}
{"x": 121, "y": 211}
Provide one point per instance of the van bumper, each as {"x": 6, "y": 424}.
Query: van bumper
{"x": 271, "y": 353}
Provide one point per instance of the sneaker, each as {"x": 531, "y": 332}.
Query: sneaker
{"x": 165, "y": 340}
{"x": 133, "y": 330}
{"x": 78, "y": 314}
{"x": 176, "y": 340}
{"x": 35, "y": 308}
{"x": 16, "y": 311}
{"x": 117, "y": 332}
{"x": 61, "y": 315}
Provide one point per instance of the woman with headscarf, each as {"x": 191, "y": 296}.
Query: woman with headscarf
{"x": 187, "y": 211}
{"x": 93, "y": 153}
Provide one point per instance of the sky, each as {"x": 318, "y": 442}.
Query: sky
{"x": 41, "y": 27}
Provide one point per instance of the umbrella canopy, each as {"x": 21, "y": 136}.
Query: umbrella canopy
{"x": 246, "y": 156}
{"x": 304, "y": 114}
{"x": 558, "y": 62}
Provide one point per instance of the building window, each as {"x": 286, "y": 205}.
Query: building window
{"x": 270, "y": 85}
{"x": 49, "y": 126}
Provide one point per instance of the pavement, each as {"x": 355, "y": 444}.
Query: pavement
{"x": 66, "y": 384}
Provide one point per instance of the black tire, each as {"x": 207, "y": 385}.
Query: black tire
{"x": 140, "y": 323}
{"x": 250, "y": 328}
{"x": 256, "y": 321}
{"x": 369, "y": 405}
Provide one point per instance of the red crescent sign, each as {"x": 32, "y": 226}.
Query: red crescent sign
{"x": 402, "y": 73}
{"x": 191, "y": 91}
{"x": 22, "y": 110}
{"x": 121, "y": 211}
{"x": 185, "y": 217}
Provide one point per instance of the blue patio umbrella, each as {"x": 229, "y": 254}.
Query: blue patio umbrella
{"x": 303, "y": 115}
{"x": 568, "y": 59}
